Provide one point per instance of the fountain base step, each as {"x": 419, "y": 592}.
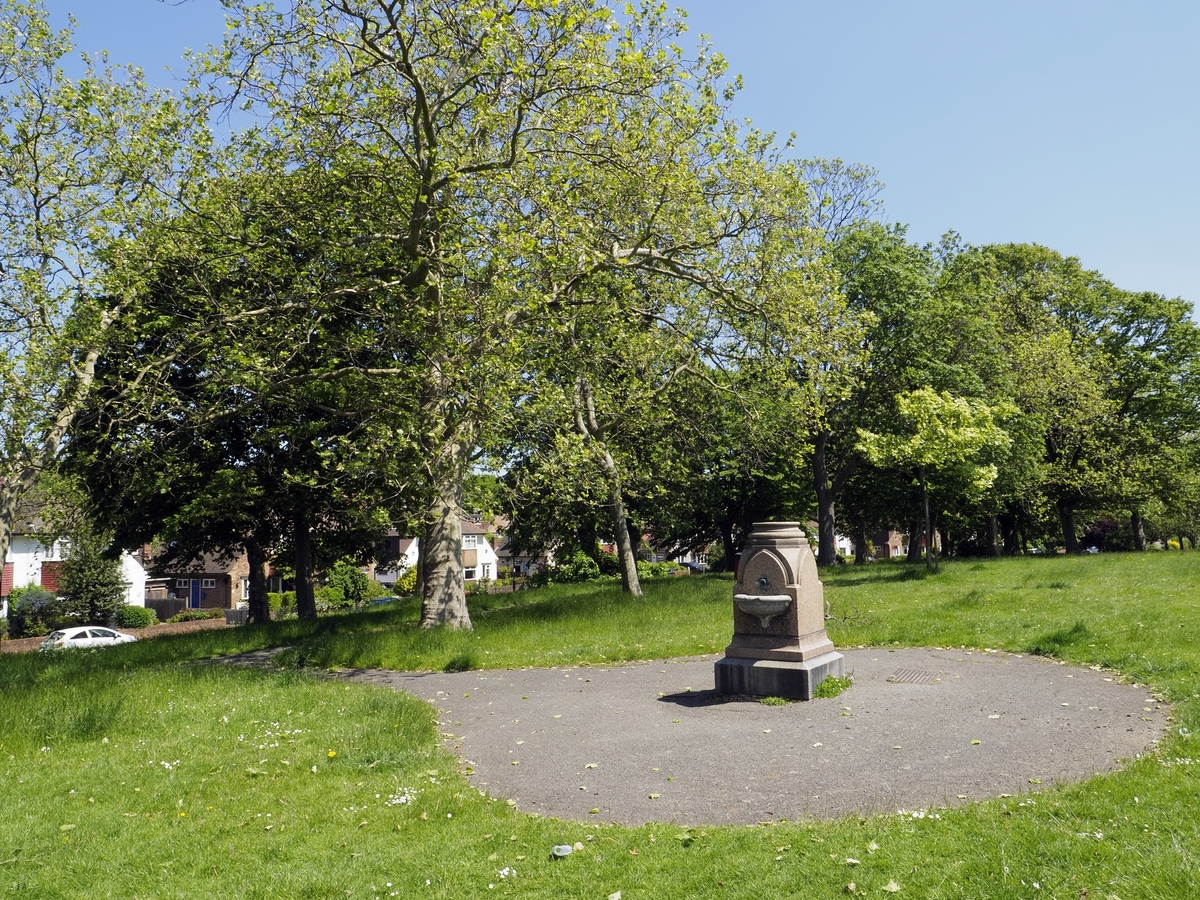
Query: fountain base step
{"x": 776, "y": 678}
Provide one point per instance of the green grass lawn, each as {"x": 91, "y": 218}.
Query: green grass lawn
{"x": 140, "y": 772}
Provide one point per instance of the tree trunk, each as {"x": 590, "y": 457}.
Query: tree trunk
{"x": 419, "y": 590}
{"x": 1066, "y": 516}
{"x": 588, "y": 428}
{"x": 444, "y": 599}
{"x": 914, "y": 542}
{"x": 446, "y": 443}
{"x": 728, "y": 546}
{"x": 585, "y": 534}
{"x": 860, "y": 546}
{"x": 826, "y": 511}
{"x": 615, "y": 507}
{"x": 928, "y": 529}
{"x": 993, "y": 536}
{"x": 1008, "y": 528}
{"x": 1139, "y": 531}
{"x": 306, "y": 601}
{"x": 945, "y": 548}
{"x": 10, "y": 493}
{"x": 260, "y": 605}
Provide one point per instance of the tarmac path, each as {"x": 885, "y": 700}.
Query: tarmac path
{"x": 652, "y": 742}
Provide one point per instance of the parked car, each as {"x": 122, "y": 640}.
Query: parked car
{"x": 84, "y": 637}
{"x": 695, "y": 568}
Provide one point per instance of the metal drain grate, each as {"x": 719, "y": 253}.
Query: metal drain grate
{"x": 913, "y": 676}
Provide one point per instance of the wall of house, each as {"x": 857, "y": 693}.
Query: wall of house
{"x": 404, "y": 562}
{"x": 479, "y": 561}
{"x": 27, "y": 554}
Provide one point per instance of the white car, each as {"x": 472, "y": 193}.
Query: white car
{"x": 85, "y": 637}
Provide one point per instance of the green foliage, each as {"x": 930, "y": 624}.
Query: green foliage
{"x": 282, "y": 605}
{"x": 406, "y": 584}
{"x": 128, "y": 616}
{"x": 942, "y": 434}
{"x": 33, "y": 611}
{"x": 774, "y": 701}
{"x": 375, "y": 589}
{"x": 656, "y": 569}
{"x": 91, "y": 580}
{"x": 578, "y": 568}
{"x": 197, "y": 615}
{"x": 77, "y": 156}
{"x": 831, "y": 687}
{"x": 350, "y": 581}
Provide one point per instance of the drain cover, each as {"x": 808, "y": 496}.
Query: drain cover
{"x": 913, "y": 676}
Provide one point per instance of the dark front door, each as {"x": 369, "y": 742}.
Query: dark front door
{"x": 195, "y": 599}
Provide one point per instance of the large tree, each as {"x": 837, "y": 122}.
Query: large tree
{"x": 81, "y": 160}
{"x": 254, "y": 426}
{"x": 498, "y": 156}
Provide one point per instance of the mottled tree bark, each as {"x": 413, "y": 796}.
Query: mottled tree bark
{"x": 826, "y": 510}
{"x": 444, "y": 598}
{"x": 729, "y": 547}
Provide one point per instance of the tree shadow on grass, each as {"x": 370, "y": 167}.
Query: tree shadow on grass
{"x": 908, "y": 573}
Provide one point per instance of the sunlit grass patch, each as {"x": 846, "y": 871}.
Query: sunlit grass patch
{"x": 135, "y": 773}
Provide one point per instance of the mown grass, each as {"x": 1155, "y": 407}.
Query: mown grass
{"x": 136, "y": 772}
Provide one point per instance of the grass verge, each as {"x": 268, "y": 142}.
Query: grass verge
{"x": 136, "y": 772}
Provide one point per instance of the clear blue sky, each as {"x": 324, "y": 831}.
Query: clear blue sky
{"x": 1070, "y": 123}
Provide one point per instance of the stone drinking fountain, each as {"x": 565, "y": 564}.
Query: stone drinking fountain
{"x": 779, "y": 646}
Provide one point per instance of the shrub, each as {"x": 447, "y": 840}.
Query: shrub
{"x": 330, "y": 597}
{"x": 283, "y": 605}
{"x": 406, "y": 584}
{"x": 654, "y": 570}
{"x": 608, "y": 563}
{"x": 350, "y": 582}
{"x": 134, "y": 617}
{"x": 196, "y": 615}
{"x": 579, "y": 568}
{"x": 90, "y": 581}
{"x": 34, "y": 610}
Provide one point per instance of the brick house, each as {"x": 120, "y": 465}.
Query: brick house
{"x": 214, "y": 581}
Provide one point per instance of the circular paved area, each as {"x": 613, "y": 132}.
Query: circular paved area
{"x": 652, "y": 742}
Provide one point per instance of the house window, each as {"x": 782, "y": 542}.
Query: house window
{"x": 470, "y": 541}
{"x": 487, "y": 570}
{"x": 208, "y": 582}
{"x": 469, "y": 574}
{"x": 182, "y": 583}
{"x": 245, "y": 588}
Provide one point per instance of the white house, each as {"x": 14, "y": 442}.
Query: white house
{"x": 479, "y": 559}
{"x": 30, "y": 562}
